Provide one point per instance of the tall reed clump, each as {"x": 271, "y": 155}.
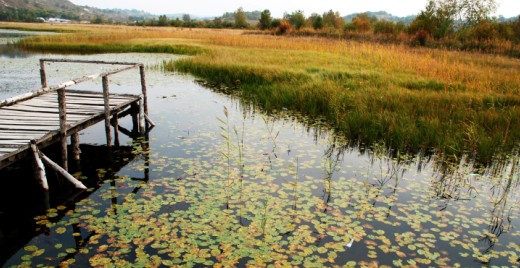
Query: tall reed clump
{"x": 449, "y": 102}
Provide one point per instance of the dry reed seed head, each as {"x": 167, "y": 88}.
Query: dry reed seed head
{"x": 225, "y": 111}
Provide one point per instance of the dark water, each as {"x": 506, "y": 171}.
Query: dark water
{"x": 248, "y": 188}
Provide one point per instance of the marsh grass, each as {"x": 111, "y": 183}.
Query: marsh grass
{"x": 414, "y": 99}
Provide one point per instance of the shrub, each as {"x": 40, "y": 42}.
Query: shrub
{"x": 283, "y": 27}
{"x": 421, "y": 37}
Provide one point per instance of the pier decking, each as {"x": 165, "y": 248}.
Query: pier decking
{"x": 40, "y": 118}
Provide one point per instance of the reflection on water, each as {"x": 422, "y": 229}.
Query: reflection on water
{"x": 256, "y": 189}
{"x": 21, "y": 200}
{"x": 10, "y": 52}
{"x": 9, "y": 37}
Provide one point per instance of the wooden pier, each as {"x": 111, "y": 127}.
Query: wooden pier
{"x": 40, "y": 118}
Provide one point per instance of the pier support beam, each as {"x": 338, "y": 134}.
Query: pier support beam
{"x": 142, "y": 129}
{"x": 43, "y": 76}
{"x": 135, "y": 123}
{"x": 39, "y": 169}
{"x": 106, "y": 97}
{"x": 115, "y": 124}
{"x": 63, "y": 128}
{"x": 143, "y": 88}
{"x": 76, "y": 151}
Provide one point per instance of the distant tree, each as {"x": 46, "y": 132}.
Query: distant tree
{"x": 349, "y": 27}
{"x": 474, "y": 12}
{"x": 163, "y": 21}
{"x": 515, "y": 25}
{"x": 440, "y": 18}
{"x": 362, "y": 22}
{"x": 98, "y": 20}
{"x": 388, "y": 27}
{"x": 265, "y": 19}
{"x": 240, "y": 19}
{"x": 176, "y": 22}
{"x": 187, "y": 20}
{"x": 297, "y": 19}
{"x": 317, "y": 21}
{"x": 275, "y": 23}
{"x": 218, "y": 22}
{"x": 333, "y": 20}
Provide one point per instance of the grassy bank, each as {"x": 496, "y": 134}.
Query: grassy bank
{"x": 413, "y": 98}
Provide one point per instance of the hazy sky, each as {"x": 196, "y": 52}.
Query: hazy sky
{"x": 508, "y": 8}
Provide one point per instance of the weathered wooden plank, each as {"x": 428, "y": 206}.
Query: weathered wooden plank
{"x": 9, "y": 146}
{"x": 36, "y": 117}
{"x": 47, "y": 111}
{"x": 75, "y": 100}
{"x": 14, "y": 132}
{"x": 86, "y": 94}
{"x": 20, "y": 137}
{"x": 14, "y": 142}
{"x": 21, "y": 122}
{"x": 26, "y": 127}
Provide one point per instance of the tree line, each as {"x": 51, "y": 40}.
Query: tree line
{"x": 461, "y": 24}
{"x": 440, "y": 19}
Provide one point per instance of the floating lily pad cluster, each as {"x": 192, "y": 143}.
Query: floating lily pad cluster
{"x": 285, "y": 197}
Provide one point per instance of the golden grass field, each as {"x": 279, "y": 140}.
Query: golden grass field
{"x": 411, "y": 98}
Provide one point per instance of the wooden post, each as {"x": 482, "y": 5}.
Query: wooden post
{"x": 63, "y": 127}
{"x": 62, "y": 172}
{"x": 141, "y": 114}
{"x": 106, "y": 98}
{"x": 76, "y": 151}
{"x": 143, "y": 88}
{"x": 39, "y": 168}
{"x": 115, "y": 122}
{"x": 135, "y": 110}
{"x": 43, "y": 76}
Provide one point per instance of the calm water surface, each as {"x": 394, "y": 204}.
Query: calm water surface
{"x": 219, "y": 182}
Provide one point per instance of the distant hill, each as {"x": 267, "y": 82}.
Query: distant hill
{"x": 30, "y": 10}
{"x": 382, "y": 15}
{"x": 57, "y": 5}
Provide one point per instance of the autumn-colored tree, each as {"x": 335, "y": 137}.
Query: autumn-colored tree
{"x": 362, "y": 23}
{"x": 333, "y": 19}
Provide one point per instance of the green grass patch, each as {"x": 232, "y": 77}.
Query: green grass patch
{"x": 110, "y": 48}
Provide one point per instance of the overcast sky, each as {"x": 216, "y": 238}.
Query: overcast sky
{"x": 508, "y": 8}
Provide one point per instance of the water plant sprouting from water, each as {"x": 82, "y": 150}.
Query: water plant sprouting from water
{"x": 271, "y": 132}
{"x": 226, "y": 135}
